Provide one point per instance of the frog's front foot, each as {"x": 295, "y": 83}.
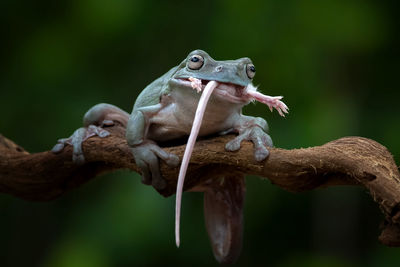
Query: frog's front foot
{"x": 146, "y": 157}
{"x": 260, "y": 139}
{"x": 77, "y": 138}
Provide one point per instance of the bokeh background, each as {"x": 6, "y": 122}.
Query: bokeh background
{"x": 335, "y": 61}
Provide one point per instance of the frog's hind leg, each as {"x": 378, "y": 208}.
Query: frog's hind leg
{"x": 105, "y": 115}
{"x": 95, "y": 118}
{"x": 223, "y": 212}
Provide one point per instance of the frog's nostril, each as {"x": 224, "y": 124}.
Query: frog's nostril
{"x": 218, "y": 69}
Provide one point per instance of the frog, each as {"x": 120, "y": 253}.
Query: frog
{"x": 165, "y": 110}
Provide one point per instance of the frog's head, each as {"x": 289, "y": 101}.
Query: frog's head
{"x": 233, "y": 76}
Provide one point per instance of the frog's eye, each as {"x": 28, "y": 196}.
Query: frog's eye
{"x": 195, "y": 62}
{"x": 251, "y": 71}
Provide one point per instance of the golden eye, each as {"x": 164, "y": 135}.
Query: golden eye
{"x": 251, "y": 71}
{"x": 195, "y": 62}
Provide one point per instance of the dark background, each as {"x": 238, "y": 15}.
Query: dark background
{"x": 335, "y": 61}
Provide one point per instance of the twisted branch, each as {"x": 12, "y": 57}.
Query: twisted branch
{"x": 346, "y": 161}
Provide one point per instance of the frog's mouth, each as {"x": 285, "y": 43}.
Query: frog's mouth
{"x": 230, "y": 92}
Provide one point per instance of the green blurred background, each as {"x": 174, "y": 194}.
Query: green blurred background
{"x": 335, "y": 61}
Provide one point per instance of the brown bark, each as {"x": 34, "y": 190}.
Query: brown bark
{"x": 346, "y": 161}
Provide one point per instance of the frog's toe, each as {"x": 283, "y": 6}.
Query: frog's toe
{"x": 146, "y": 175}
{"x": 261, "y": 141}
{"x": 75, "y": 140}
{"x": 261, "y": 153}
{"x": 93, "y": 130}
{"x": 157, "y": 181}
{"x": 234, "y": 144}
{"x": 104, "y": 133}
{"x": 172, "y": 160}
{"x": 266, "y": 139}
{"x": 57, "y": 148}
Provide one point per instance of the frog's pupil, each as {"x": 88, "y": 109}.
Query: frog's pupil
{"x": 194, "y": 59}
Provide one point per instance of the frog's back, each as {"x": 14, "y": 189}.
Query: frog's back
{"x": 152, "y": 93}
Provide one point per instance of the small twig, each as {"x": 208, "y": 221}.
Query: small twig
{"x": 346, "y": 161}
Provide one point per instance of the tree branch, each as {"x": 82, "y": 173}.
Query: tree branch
{"x": 346, "y": 161}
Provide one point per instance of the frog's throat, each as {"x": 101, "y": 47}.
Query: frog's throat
{"x": 201, "y": 107}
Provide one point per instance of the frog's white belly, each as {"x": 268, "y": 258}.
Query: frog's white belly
{"x": 175, "y": 119}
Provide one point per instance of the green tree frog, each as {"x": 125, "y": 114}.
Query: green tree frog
{"x": 199, "y": 97}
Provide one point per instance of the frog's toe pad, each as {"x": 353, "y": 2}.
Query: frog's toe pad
{"x": 57, "y": 148}
{"x": 159, "y": 184}
{"x": 234, "y": 144}
{"x": 261, "y": 153}
{"x": 173, "y": 160}
{"x": 103, "y": 134}
{"x": 95, "y": 130}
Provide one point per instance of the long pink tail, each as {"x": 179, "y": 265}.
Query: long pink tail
{"x": 201, "y": 107}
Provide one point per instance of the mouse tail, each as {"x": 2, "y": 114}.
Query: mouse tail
{"x": 201, "y": 108}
